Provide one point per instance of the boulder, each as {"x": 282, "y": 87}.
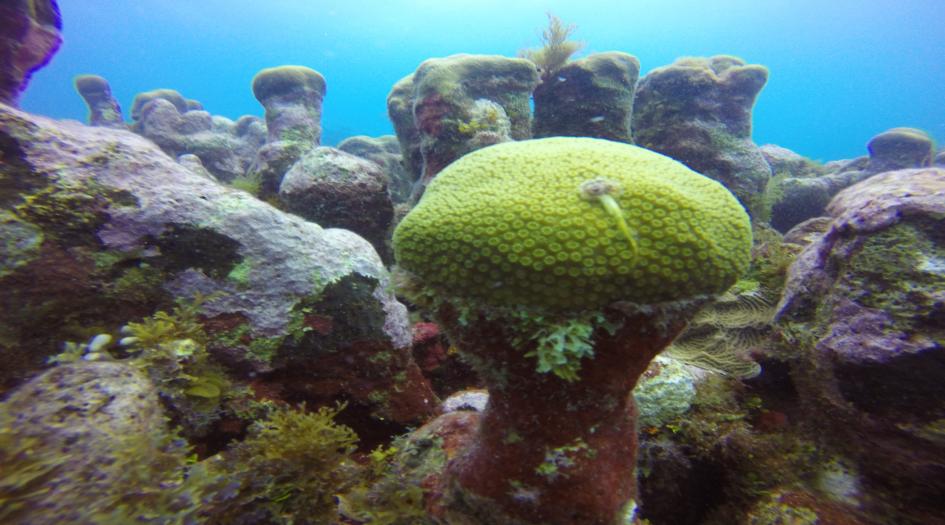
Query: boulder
{"x": 385, "y": 151}
{"x": 866, "y": 304}
{"x": 900, "y": 148}
{"x": 339, "y": 190}
{"x": 87, "y": 442}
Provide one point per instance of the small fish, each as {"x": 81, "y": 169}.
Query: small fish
{"x": 597, "y": 119}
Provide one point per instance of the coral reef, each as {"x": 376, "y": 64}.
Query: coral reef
{"x": 104, "y": 110}
{"x": 698, "y": 111}
{"x": 590, "y": 97}
{"x": 556, "y": 442}
{"x": 29, "y": 37}
{"x": 597, "y": 316}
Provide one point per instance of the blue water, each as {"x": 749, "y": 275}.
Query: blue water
{"x": 841, "y": 70}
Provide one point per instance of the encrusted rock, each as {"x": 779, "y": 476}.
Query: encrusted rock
{"x": 125, "y": 229}
{"x": 90, "y": 441}
{"x": 440, "y": 362}
{"x": 866, "y": 301}
{"x": 170, "y": 95}
{"x": 698, "y": 111}
{"x": 590, "y": 97}
{"x": 29, "y": 37}
{"x": 194, "y": 164}
{"x": 802, "y": 198}
{"x": 808, "y": 231}
{"x": 400, "y": 111}
{"x": 808, "y": 187}
{"x": 470, "y": 400}
{"x": 786, "y": 163}
{"x": 292, "y": 96}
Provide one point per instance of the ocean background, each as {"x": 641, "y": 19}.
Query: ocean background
{"x": 841, "y": 71}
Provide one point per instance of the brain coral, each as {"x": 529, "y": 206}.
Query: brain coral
{"x": 571, "y": 224}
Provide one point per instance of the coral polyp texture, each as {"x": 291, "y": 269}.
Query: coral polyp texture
{"x": 573, "y": 223}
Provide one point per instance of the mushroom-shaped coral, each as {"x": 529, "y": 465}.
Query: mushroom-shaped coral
{"x": 900, "y": 148}
{"x": 561, "y": 267}
{"x": 698, "y": 110}
{"x": 170, "y": 95}
{"x": 103, "y": 108}
{"x": 451, "y": 107}
{"x": 292, "y": 96}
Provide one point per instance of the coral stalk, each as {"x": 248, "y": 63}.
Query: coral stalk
{"x": 547, "y": 450}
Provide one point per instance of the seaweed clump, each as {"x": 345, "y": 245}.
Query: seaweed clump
{"x": 170, "y": 348}
{"x": 556, "y": 49}
{"x": 288, "y": 470}
{"x": 391, "y": 491}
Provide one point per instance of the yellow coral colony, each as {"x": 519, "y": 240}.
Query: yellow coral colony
{"x": 569, "y": 224}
